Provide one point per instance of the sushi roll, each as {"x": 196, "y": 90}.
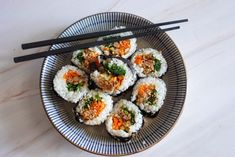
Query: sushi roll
{"x": 149, "y": 62}
{"x": 94, "y": 108}
{"x": 71, "y": 83}
{"x": 114, "y": 76}
{"x": 84, "y": 57}
{"x": 123, "y": 48}
{"x": 149, "y": 94}
{"x": 124, "y": 121}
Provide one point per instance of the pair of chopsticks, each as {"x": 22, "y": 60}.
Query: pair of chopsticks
{"x": 145, "y": 31}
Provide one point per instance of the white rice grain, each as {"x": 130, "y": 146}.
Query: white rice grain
{"x": 60, "y": 85}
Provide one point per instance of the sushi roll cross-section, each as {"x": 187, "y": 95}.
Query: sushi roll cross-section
{"x": 149, "y": 94}
{"x": 125, "y": 120}
{"x": 71, "y": 83}
{"x": 114, "y": 76}
{"x": 149, "y": 62}
{"x": 94, "y": 108}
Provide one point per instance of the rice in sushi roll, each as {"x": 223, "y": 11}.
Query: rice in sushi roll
{"x": 114, "y": 76}
{"x": 124, "y": 121}
{"x": 123, "y": 48}
{"x": 149, "y": 94}
{"x": 94, "y": 108}
{"x": 71, "y": 83}
{"x": 84, "y": 57}
{"x": 149, "y": 62}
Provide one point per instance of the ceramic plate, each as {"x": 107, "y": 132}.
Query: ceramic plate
{"x": 95, "y": 139}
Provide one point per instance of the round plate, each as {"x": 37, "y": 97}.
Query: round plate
{"x": 95, "y": 139}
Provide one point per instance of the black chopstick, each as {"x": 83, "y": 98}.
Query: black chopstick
{"x": 95, "y": 34}
{"x": 87, "y": 45}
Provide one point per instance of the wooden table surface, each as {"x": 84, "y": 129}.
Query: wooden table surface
{"x": 207, "y": 124}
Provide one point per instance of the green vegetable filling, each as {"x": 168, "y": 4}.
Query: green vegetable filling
{"x": 88, "y": 101}
{"x": 97, "y": 97}
{"x": 74, "y": 87}
{"x": 127, "y": 112}
{"x": 157, "y": 65}
{"x": 80, "y": 57}
{"x": 152, "y": 98}
{"x": 114, "y": 68}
